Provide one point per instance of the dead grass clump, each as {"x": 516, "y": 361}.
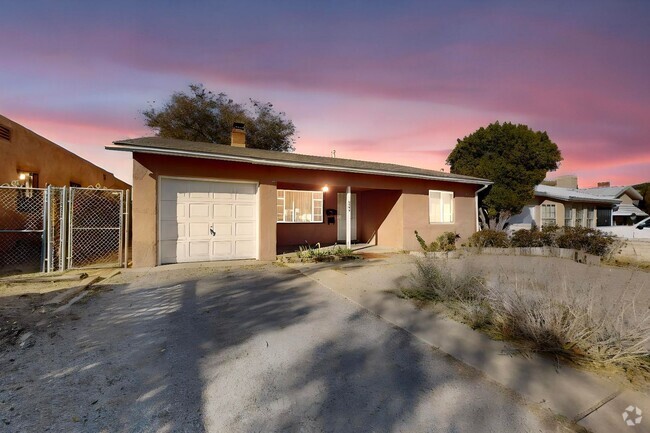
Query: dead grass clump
{"x": 573, "y": 325}
{"x": 434, "y": 281}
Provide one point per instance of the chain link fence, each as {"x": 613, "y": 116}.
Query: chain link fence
{"x": 96, "y": 230}
{"x": 56, "y": 228}
{"x": 22, "y": 227}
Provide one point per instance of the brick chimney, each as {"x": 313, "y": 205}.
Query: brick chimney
{"x": 603, "y": 184}
{"x": 238, "y": 135}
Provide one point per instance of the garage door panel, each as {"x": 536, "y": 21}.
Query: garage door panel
{"x": 245, "y": 229}
{"x": 222, "y": 249}
{"x": 223, "y": 229}
{"x": 171, "y": 230}
{"x": 199, "y": 229}
{"x": 170, "y": 211}
{"x": 199, "y": 210}
{"x": 189, "y": 209}
{"x": 174, "y": 189}
{"x": 244, "y": 211}
{"x": 220, "y": 210}
{"x": 199, "y": 250}
{"x": 172, "y": 251}
{"x": 245, "y": 248}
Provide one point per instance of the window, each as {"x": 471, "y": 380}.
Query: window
{"x": 5, "y": 133}
{"x": 549, "y": 217}
{"x": 441, "y": 207}
{"x": 580, "y": 214}
{"x": 590, "y": 217}
{"x": 568, "y": 216}
{"x": 300, "y": 206}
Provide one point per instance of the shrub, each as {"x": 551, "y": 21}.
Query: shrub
{"x": 433, "y": 281}
{"x": 489, "y": 238}
{"x": 572, "y": 326}
{"x": 343, "y": 252}
{"x": 534, "y": 237}
{"x": 589, "y": 240}
{"x": 444, "y": 242}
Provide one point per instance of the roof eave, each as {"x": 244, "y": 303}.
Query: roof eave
{"x": 127, "y": 147}
{"x": 579, "y": 199}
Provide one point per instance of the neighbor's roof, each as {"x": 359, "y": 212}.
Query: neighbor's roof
{"x": 614, "y": 192}
{"x": 568, "y": 194}
{"x": 625, "y": 209}
{"x": 194, "y": 149}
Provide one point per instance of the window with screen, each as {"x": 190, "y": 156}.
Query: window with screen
{"x": 549, "y": 217}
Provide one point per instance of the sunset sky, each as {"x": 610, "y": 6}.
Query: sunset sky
{"x": 386, "y": 81}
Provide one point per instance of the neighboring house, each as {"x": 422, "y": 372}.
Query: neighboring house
{"x": 561, "y": 206}
{"x": 560, "y": 202}
{"x": 626, "y": 213}
{"x": 197, "y": 201}
{"x": 34, "y": 161}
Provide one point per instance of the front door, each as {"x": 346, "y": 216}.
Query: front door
{"x": 341, "y": 199}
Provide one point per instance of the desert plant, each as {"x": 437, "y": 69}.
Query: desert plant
{"x": 444, "y": 242}
{"x": 340, "y": 251}
{"x": 489, "y": 238}
{"x": 534, "y": 237}
{"x": 572, "y": 325}
{"x": 434, "y": 281}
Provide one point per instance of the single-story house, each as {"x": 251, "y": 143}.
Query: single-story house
{"x": 554, "y": 205}
{"x": 625, "y": 213}
{"x": 560, "y": 202}
{"x": 196, "y": 201}
{"x": 31, "y": 160}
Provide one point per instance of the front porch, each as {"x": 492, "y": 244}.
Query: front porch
{"x": 318, "y": 214}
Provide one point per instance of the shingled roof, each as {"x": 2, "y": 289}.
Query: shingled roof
{"x": 195, "y": 149}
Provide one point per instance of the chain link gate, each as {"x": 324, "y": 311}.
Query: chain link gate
{"x": 96, "y": 227}
{"x": 54, "y": 228}
{"x": 22, "y": 228}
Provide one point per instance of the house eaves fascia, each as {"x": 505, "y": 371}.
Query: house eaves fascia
{"x": 290, "y": 164}
{"x": 579, "y": 199}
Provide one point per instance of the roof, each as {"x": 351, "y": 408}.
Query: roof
{"x": 195, "y": 149}
{"x": 614, "y": 192}
{"x": 568, "y": 194}
{"x": 625, "y": 209}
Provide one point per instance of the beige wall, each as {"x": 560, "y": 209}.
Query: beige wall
{"x": 29, "y": 152}
{"x": 560, "y": 207}
{"x": 393, "y": 214}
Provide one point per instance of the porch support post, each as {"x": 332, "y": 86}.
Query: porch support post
{"x": 348, "y": 218}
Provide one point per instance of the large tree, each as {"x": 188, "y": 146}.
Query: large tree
{"x": 514, "y": 157}
{"x": 201, "y": 115}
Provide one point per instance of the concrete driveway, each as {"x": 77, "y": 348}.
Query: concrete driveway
{"x": 242, "y": 348}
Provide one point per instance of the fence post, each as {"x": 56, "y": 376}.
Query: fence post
{"x": 120, "y": 252}
{"x": 126, "y": 228}
{"x": 48, "y": 229}
{"x": 70, "y": 221}
{"x": 44, "y": 233}
{"x": 63, "y": 228}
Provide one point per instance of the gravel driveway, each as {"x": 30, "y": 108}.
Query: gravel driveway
{"x": 245, "y": 348}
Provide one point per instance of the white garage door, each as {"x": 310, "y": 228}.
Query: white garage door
{"x": 204, "y": 220}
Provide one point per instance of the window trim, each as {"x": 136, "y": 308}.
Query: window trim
{"x": 548, "y": 206}
{"x": 313, "y": 200}
{"x": 453, "y": 208}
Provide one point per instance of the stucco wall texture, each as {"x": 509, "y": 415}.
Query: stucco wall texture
{"x": 389, "y": 209}
{"x": 29, "y": 152}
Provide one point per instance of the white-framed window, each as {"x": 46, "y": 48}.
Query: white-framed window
{"x": 580, "y": 215}
{"x": 441, "y": 207}
{"x": 568, "y": 216}
{"x": 299, "y": 206}
{"x": 590, "y": 217}
{"x": 549, "y": 217}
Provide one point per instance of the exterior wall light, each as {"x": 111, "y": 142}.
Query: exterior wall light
{"x": 326, "y": 188}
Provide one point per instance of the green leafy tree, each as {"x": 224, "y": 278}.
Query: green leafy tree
{"x": 514, "y": 157}
{"x": 644, "y": 190}
{"x": 201, "y": 115}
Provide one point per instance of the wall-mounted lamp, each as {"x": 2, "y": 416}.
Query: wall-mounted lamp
{"x": 22, "y": 176}
{"x": 326, "y": 188}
